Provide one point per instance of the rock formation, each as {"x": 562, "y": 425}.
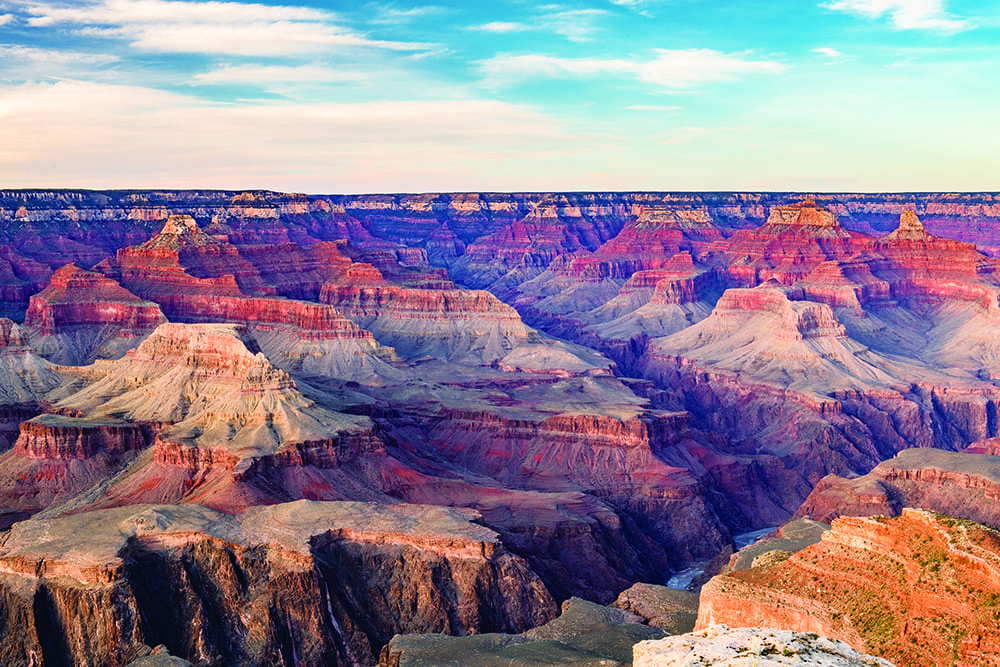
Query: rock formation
{"x": 725, "y": 353}
{"x": 303, "y": 583}
{"x": 918, "y": 589}
{"x": 960, "y": 484}
{"x": 83, "y": 315}
{"x": 25, "y": 379}
{"x": 766, "y": 647}
{"x": 226, "y": 420}
{"x": 585, "y": 634}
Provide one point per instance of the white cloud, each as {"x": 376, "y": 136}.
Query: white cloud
{"x": 679, "y": 69}
{"x": 904, "y": 14}
{"x": 179, "y": 26}
{"x": 6, "y": 18}
{"x": 500, "y": 27}
{"x": 828, "y": 52}
{"x": 35, "y": 55}
{"x": 75, "y": 134}
{"x": 576, "y": 25}
{"x": 392, "y": 15}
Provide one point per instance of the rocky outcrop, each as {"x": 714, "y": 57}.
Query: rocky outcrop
{"x": 303, "y": 583}
{"x": 766, "y": 647}
{"x": 918, "y": 589}
{"x": 614, "y": 459}
{"x": 554, "y": 226}
{"x": 585, "y": 634}
{"x": 795, "y": 240}
{"x": 20, "y": 277}
{"x": 447, "y": 324}
{"x": 960, "y": 484}
{"x": 83, "y": 315}
{"x": 66, "y": 438}
{"x": 55, "y": 458}
{"x": 648, "y": 242}
{"x": 225, "y": 417}
{"x": 77, "y": 297}
{"x": 673, "y": 611}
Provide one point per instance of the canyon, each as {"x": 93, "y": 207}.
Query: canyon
{"x": 363, "y": 416}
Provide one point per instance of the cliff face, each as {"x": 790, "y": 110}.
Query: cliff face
{"x": 611, "y": 458}
{"x": 919, "y": 589}
{"x": 447, "y": 324}
{"x": 82, "y": 315}
{"x": 960, "y": 484}
{"x": 59, "y": 437}
{"x": 227, "y": 420}
{"x": 274, "y": 585}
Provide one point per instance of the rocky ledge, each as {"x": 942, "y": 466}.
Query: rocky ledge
{"x": 760, "y": 647}
{"x": 919, "y": 589}
{"x": 305, "y": 583}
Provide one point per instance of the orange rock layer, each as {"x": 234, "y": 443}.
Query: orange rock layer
{"x": 920, "y": 589}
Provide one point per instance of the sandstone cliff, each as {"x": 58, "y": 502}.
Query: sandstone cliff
{"x": 302, "y": 583}
{"x": 919, "y": 589}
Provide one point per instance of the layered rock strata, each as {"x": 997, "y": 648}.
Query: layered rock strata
{"x": 83, "y": 315}
{"x": 303, "y": 583}
{"x": 918, "y": 589}
{"x": 960, "y": 484}
{"x": 25, "y": 380}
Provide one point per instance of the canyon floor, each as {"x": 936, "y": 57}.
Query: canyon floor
{"x": 264, "y": 428}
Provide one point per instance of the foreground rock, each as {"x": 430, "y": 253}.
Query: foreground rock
{"x": 585, "y": 634}
{"x": 761, "y": 647}
{"x": 918, "y": 589}
{"x": 302, "y": 583}
{"x": 671, "y": 610}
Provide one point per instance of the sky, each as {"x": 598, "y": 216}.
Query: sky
{"x": 506, "y": 95}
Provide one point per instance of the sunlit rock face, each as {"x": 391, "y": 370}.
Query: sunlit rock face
{"x": 917, "y": 589}
{"x": 767, "y": 647}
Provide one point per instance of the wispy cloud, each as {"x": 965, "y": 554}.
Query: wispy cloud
{"x": 6, "y": 18}
{"x": 904, "y": 14}
{"x": 678, "y": 69}
{"x": 576, "y": 25}
{"x": 233, "y": 28}
{"x": 28, "y": 63}
{"x": 394, "y": 15}
{"x": 500, "y": 27}
{"x": 828, "y": 52}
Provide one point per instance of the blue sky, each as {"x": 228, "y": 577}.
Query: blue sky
{"x": 835, "y": 95}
